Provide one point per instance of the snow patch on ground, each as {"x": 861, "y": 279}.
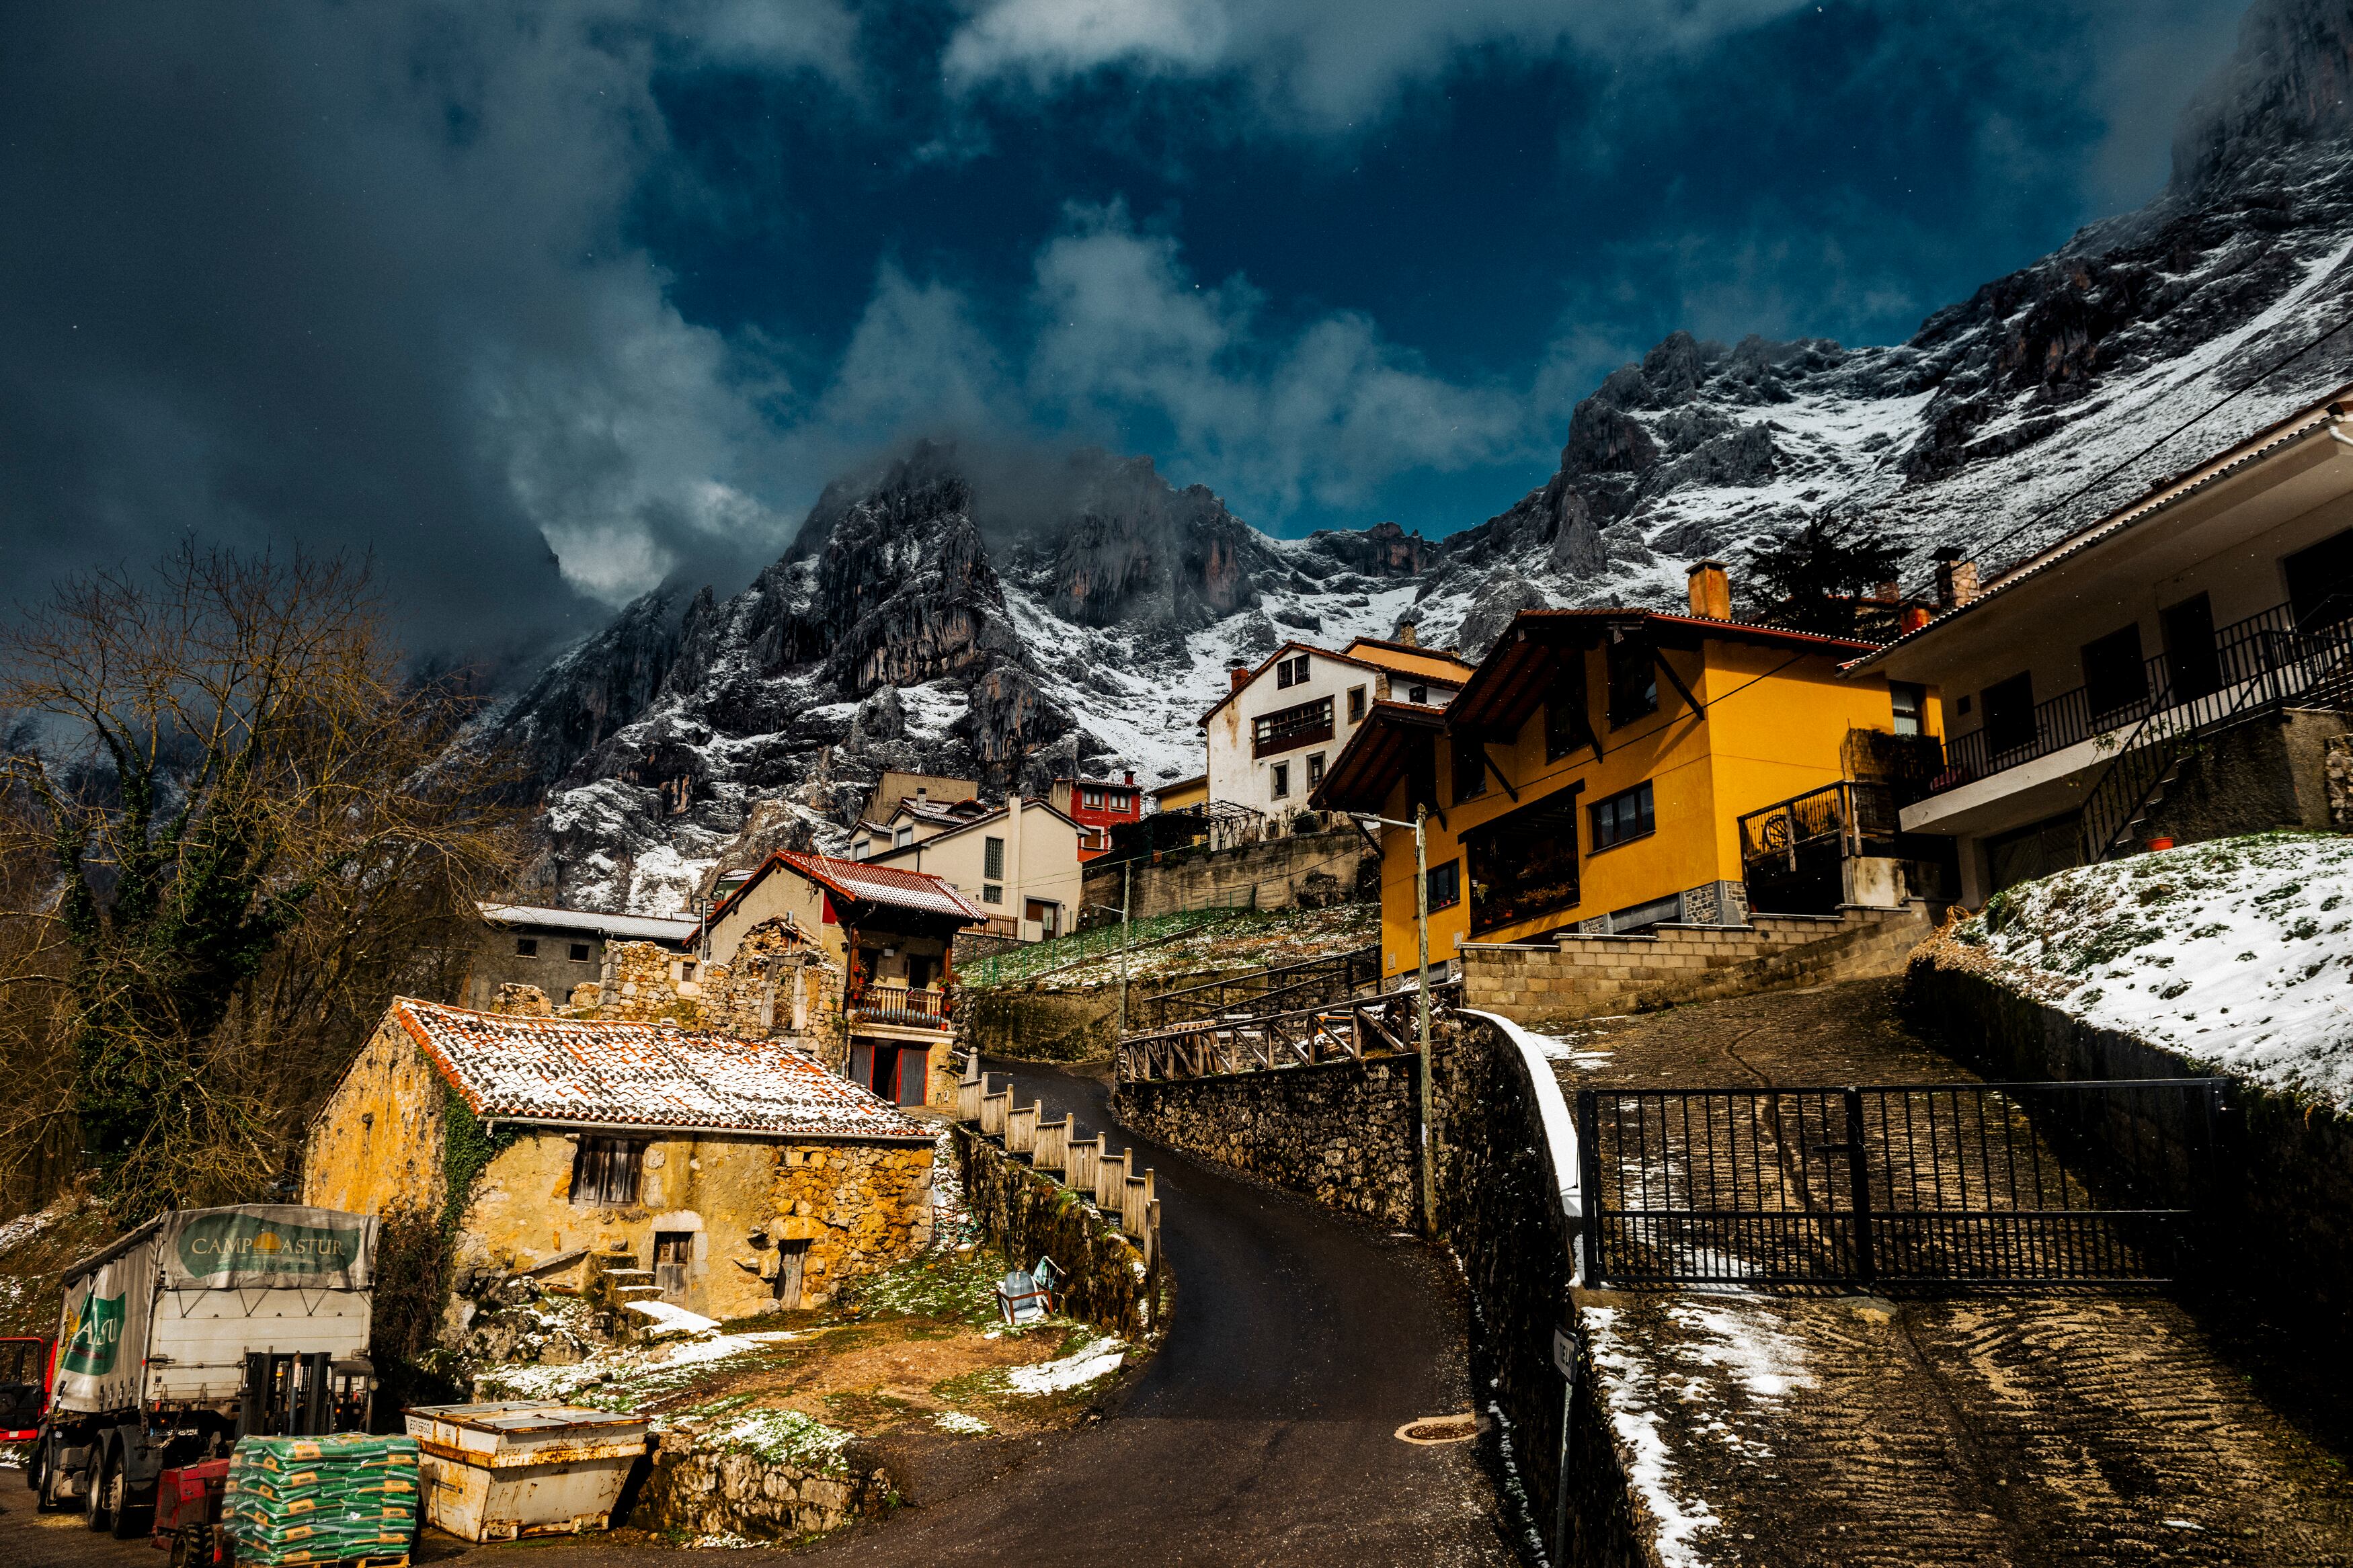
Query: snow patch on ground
{"x": 1099, "y": 1359}
{"x": 2232, "y": 952}
{"x": 1633, "y": 1400}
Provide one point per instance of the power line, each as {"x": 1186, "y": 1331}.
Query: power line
{"x": 2250, "y": 383}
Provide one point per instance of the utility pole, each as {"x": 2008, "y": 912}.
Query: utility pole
{"x": 1421, "y": 1007}
{"x": 1126, "y": 890}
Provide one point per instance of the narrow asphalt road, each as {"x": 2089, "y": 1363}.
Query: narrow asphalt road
{"x": 1263, "y": 1433}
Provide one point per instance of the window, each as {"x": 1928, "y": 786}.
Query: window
{"x": 992, "y": 893}
{"x": 526, "y": 947}
{"x": 903, "y": 837}
{"x": 1446, "y": 885}
{"x": 1095, "y": 798}
{"x": 1470, "y": 767}
{"x": 1288, "y": 729}
{"x": 1911, "y": 705}
{"x": 605, "y": 1170}
{"x": 1624, "y": 815}
{"x": 1417, "y": 694}
{"x": 1634, "y": 681}
{"x": 858, "y": 848}
{"x": 1962, "y": 705}
{"x": 1314, "y": 770}
{"x": 1291, "y": 672}
{"x": 686, "y": 969}
{"x": 1569, "y": 719}
{"x": 1524, "y": 865}
{"x": 2114, "y": 675}
{"x": 1279, "y": 781}
{"x": 2320, "y": 583}
{"x": 1355, "y": 703}
{"x": 992, "y": 859}
{"x": 2009, "y": 714}
{"x": 579, "y": 953}
{"x": 1116, "y": 800}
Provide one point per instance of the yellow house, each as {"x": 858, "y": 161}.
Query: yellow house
{"x": 1611, "y": 769}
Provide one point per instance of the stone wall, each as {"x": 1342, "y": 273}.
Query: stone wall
{"x": 1344, "y": 1133}
{"x": 860, "y": 1207}
{"x": 2252, "y": 778}
{"x": 1309, "y": 870}
{"x": 1059, "y": 1026}
{"x": 1027, "y": 1214}
{"x": 698, "y": 1491}
{"x": 1581, "y": 976}
{"x": 2284, "y": 1205}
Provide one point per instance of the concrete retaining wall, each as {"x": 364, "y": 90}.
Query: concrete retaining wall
{"x": 1596, "y": 976}
{"x": 1344, "y": 1133}
{"x": 1310, "y": 870}
{"x": 2285, "y": 1229}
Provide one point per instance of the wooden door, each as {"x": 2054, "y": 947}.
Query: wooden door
{"x": 673, "y": 1252}
{"x": 791, "y": 1255}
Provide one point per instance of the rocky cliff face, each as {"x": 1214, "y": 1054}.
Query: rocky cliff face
{"x": 947, "y": 613}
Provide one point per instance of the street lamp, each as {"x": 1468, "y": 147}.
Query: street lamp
{"x": 1421, "y": 993}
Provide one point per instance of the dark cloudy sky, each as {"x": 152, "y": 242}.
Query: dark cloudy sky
{"x": 542, "y": 304}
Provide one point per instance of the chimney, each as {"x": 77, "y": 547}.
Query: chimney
{"x": 1128, "y": 777}
{"x": 1957, "y": 580}
{"x": 1408, "y": 634}
{"x": 1887, "y": 593}
{"x": 1711, "y": 591}
{"x": 1915, "y": 617}
{"x": 1240, "y": 675}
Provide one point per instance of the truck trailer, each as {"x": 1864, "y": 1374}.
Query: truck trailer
{"x": 198, "y": 1328}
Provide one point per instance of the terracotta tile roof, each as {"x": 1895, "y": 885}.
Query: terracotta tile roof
{"x": 873, "y": 884}
{"x": 643, "y": 1075}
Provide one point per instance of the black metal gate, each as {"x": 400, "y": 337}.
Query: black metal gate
{"x": 2009, "y": 1183}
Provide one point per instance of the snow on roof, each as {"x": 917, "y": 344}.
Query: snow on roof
{"x": 643, "y": 1075}
{"x": 863, "y": 879}
{"x": 636, "y": 928}
{"x": 2231, "y": 953}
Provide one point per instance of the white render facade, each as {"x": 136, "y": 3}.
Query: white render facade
{"x": 1021, "y": 869}
{"x": 2072, "y": 682}
{"x": 1270, "y": 738}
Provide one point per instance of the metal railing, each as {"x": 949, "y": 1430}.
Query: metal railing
{"x": 1856, "y": 813}
{"x": 1349, "y": 1031}
{"x": 1310, "y": 980}
{"x": 916, "y": 1008}
{"x": 2265, "y": 651}
{"x": 1989, "y": 1183}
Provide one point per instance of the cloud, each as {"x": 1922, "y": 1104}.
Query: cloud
{"x": 1326, "y": 412}
{"x": 1327, "y": 61}
{"x": 358, "y": 278}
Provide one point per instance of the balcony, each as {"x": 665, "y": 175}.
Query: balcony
{"x": 901, "y": 1006}
{"x": 2260, "y": 662}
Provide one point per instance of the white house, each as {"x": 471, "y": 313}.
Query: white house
{"x": 1272, "y": 735}
{"x": 2180, "y": 668}
{"x": 1021, "y": 869}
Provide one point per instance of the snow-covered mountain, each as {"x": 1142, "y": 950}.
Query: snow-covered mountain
{"x": 1017, "y": 618}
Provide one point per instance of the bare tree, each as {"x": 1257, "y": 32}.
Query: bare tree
{"x": 254, "y": 830}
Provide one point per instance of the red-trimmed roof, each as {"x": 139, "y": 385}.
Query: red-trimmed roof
{"x": 577, "y": 1070}
{"x": 1291, "y": 647}
{"x": 869, "y": 883}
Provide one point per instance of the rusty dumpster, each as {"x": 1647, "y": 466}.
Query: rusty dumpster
{"x": 501, "y": 1471}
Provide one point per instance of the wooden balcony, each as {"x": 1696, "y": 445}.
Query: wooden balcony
{"x": 901, "y": 1007}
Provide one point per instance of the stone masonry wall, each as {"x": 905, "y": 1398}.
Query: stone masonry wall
{"x": 1028, "y": 1215}
{"x": 1344, "y": 1133}
{"x": 860, "y": 1207}
{"x": 1308, "y": 870}
{"x": 695, "y": 1492}
{"x": 1596, "y": 976}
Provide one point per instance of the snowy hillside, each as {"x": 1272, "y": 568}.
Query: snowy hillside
{"x": 2232, "y": 952}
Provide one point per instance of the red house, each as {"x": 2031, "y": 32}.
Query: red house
{"x": 1097, "y": 805}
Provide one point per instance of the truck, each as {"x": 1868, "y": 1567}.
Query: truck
{"x": 198, "y": 1328}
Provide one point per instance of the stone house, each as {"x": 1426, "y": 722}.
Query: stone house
{"x": 875, "y": 974}
{"x": 740, "y": 1172}
{"x": 560, "y": 950}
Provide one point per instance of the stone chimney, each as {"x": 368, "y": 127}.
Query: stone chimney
{"x": 1957, "y": 580}
{"x": 1409, "y": 635}
{"x": 1711, "y": 591}
{"x": 1915, "y": 617}
{"x": 1239, "y": 675}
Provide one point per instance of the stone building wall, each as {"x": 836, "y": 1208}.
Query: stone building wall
{"x": 696, "y": 1491}
{"x": 1581, "y": 976}
{"x": 1309, "y": 870}
{"x": 860, "y": 1207}
{"x": 1343, "y": 1134}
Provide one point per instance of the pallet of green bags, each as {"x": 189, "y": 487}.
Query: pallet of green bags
{"x": 348, "y": 1499}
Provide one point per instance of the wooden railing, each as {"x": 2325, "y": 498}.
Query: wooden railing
{"x": 1307, "y": 982}
{"x": 920, "y": 1007}
{"x": 1382, "y": 1025}
{"x": 1086, "y": 1166}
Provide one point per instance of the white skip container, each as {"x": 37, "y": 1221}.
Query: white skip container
{"x": 499, "y": 1472}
